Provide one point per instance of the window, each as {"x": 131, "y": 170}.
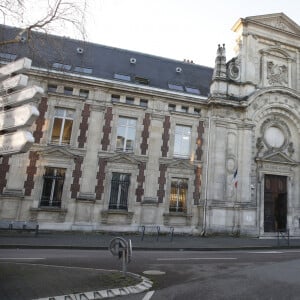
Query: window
{"x": 83, "y": 70}
{"x": 175, "y": 87}
{"x": 197, "y": 111}
{"x": 126, "y": 134}
{"x": 8, "y": 56}
{"x": 184, "y": 109}
{"x": 119, "y": 191}
{"x": 84, "y": 93}
{"x": 53, "y": 187}
{"x": 122, "y": 77}
{"x": 61, "y": 67}
{"x": 178, "y": 195}
{"x": 52, "y": 88}
{"x": 172, "y": 107}
{"x": 62, "y": 126}
{"x": 115, "y": 98}
{"x": 68, "y": 90}
{"x": 192, "y": 90}
{"x": 129, "y": 100}
{"x": 144, "y": 103}
{"x": 182, "y": 140}
{"x": 141, "y": 80}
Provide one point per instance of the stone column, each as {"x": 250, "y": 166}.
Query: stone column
{"x": 90, "y": 166}
{"x": 15, "y": 178}
{"x": 154, "y": 151}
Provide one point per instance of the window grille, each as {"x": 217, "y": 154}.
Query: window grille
{"x": 119, "y": 191}
{"x": 178, "y": 195}
{"x": 53, "y": 187}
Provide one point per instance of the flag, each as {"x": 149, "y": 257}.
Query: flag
{"x": 235, "y": 179}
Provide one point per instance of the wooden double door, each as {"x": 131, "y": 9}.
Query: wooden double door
{"x": 275, "y": 203}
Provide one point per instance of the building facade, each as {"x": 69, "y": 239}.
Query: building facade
{"x": 126, "y": 139}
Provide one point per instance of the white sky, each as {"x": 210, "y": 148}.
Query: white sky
{"x": 177, "y": 29}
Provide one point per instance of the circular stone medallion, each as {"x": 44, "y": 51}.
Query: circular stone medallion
{"x": 274, "y": 137}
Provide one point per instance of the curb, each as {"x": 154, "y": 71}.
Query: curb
{"x": 236, "y": 248}
{"x": 143, "y": 286}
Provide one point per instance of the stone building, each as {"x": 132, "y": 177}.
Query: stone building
{"x": 127, "y": 139}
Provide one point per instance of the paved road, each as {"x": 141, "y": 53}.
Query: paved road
{"x": 272, "y": 274}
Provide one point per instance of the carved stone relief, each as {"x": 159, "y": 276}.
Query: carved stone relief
{"x": 233, "y": 69}
{"x": 277, "y": 74}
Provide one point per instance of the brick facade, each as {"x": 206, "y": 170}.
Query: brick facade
{"x": 166, "y": 137}
{"x": 107, "y": 129}
{"x": 75, "y": 186}
{"x": 84, "y": 126}
{"x": 40, "y": 121}
{"x": 145, "y": 134}
{"x": 31, "y": 171}
{"x": 140, "y": 181}
{"x": 100, "y": 178}
{"x": 161, "y": 183}
{"x": 197, "y": 184}
{"x": 200, "y": 131}
{"x": 4, "y": 168}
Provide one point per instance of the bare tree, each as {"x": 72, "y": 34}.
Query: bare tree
{"x": 42, "y": 15}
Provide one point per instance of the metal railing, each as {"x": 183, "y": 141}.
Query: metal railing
{"x": 154, "y": 230}
{"x": 283, "y": 235}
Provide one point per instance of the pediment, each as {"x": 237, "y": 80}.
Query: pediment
{"x": 279, "y": 21}
{"x": 123, "y": 158}
{"x": 59, "y": 152}
{"x": 181, "y": 164}
{"x": 278, "y": 157}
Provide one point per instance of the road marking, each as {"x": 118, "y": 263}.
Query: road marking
{"x": 148, "y": 295}
{"x": 266, "y": 252}
{"x": 20, "y": 258}
{"x": 154, "y": 272}
{"x": 198, "y": 258}
{"x": 59, "y": 266}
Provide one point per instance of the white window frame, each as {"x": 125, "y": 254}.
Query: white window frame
{"x": 182, "y": 136}
{"x": 127, "y": 127}
{"x": 64, "y": 118}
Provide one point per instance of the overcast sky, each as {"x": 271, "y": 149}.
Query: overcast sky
{"x": 177, "y": 29}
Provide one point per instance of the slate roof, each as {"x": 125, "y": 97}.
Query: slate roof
{"x": 104, "y": 62}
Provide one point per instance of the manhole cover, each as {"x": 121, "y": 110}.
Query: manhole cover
{"x": 154, "y": 272}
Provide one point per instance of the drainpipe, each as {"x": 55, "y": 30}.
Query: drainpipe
{"x": 203, "y": 233}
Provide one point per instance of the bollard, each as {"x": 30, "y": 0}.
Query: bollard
{"x": 123, "y": 249}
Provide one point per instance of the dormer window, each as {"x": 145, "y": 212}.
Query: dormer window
{"x": 175, "y": 87}
{"x": 122, "y": 77}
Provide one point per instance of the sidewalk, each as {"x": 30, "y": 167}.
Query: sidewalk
{"x": 27, "y": 281}
{"x": 93, "y": 240}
